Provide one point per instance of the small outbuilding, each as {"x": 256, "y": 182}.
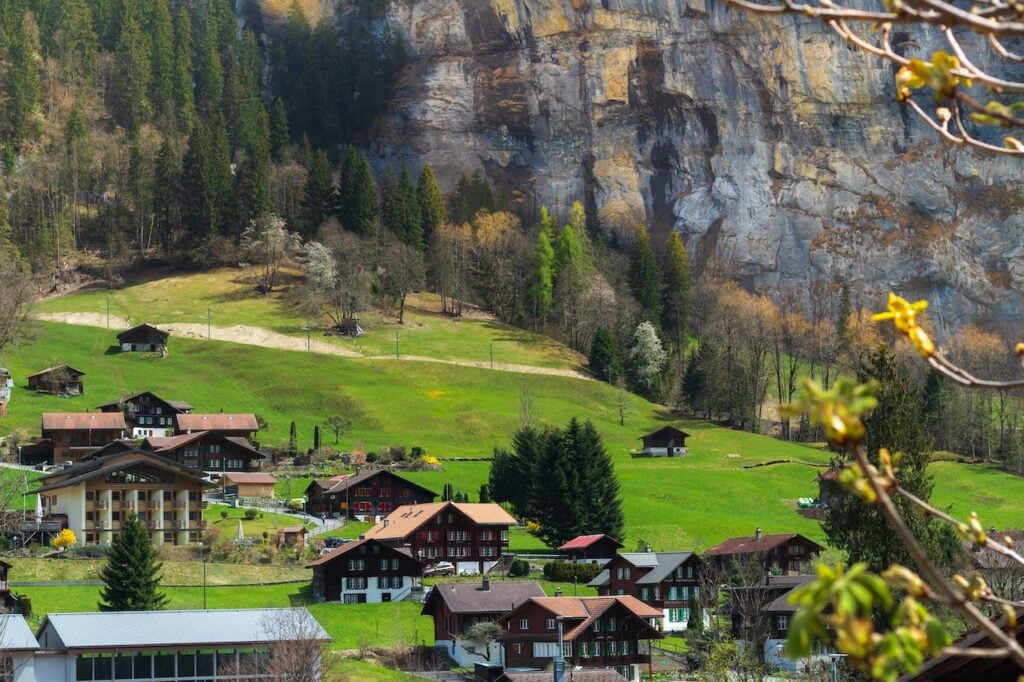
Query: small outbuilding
{"x": 591, "y": 548}
{"x": 59, "y": 380}
{"x": 668, "y": 441}
{"x": 246, "y": 484}
{"x": 292, "y": 536}
{"x": 144, "y": 338}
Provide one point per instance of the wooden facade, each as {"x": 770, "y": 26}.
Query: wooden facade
{"x": 781, "y": 554}
{"x": 205, "y": 451}
{"x": 76, "y": 435}
{"x": 471, "y": 536}
{"x": 591, "y": 548}
{"x": 59, "y": 380}
{"x": 365, "y": 495}
{"x": 143, "y": 338}
{"x": 598, "y": 632}
{"x": 667, "y": 581}
{"x": 364, "y": 571}
{"x": 146, "y": 414}
{"x": 668, "y": 441}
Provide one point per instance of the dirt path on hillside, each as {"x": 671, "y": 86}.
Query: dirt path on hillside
{"x": 258, "y": 336}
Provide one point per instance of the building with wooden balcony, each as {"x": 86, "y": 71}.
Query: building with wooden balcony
{"x": 364, "y": 495}
{"x": 212, "y": 452}
{"x": 98, "y": 495}
{"x": 76, "y": 435}
{"x": 668, "y": 581}
{"x": 147, "y": 414}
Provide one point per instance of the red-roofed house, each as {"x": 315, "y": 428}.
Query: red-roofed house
{"x": 147, "y": 414}
{"x": 597, "y": 632}
{"x": 591, "y": 548}
{"x": 76, "y": 435}
{"x": 243, "y": 425}
{"x": 785, "y": 553}
{"x": 367, "y": 495}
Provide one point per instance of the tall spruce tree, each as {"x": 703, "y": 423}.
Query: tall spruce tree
{"x": 644, "y": 277}
{"x": 390, "y": 202}
{"x": 357, "y": 194}
{"x": 511, "y": 474}
{"x": 131, "y": 575}
{"x": 21, "y": 100}
{"x": 184, "y": 96}
{"x": 676, "y": 296}
{"x": 604, "y": 356}
{"x": 279, "y": 136}
{"x": 161, "y": 32}
{"x": 133, "y": 73}
{"x": 859, "y": 528}
{"x": 542, "y": 279}
{"x": 165, "y": 199}
{"x": 410, "y": 224}
{"x": 318, "y": 194}
{"x": 76, "y": 43}
{"x": 432, "y": 212}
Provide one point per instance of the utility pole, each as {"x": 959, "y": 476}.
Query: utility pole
{"x": 396, "y": 345}
{"x": 492, "y": 354}
{"x": 209, "y": 322}
{"x": 308, "y": 331}
{"x": 108, "y": 311}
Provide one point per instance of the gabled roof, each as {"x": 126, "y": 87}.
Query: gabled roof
{"x": 176, "y": 404}
{"x": 89, "y": 469}
{"x": 584, "y": 541}
{"x": 829, "y": 475}
{"x": 83, "y": 421}
{"x": 664, "y": 428}
{"x": 349, "y": 547}
{"x": 641, "y": 559}
{"x": 208, "y": 629}
{"x": 588, "y": 609}
{"x": 667, "y": 562}
{"x": 144, "y": 327}
{"x": 112, "y": 448}
{"x": 408, "y": 518}
{"x": 601, "y": 579}
{"x": 752, "y": 544}
{"x": 781, "y": 603}
{"x": 217, "y": 421}
{"x": 15, "y": 634}
{"x": 499, "y": 598}
{"x": 247, "y": 477}
{"x": 345, "y": 481}
{"x": 168, "y": 444}
{"x": 55, "y": 368}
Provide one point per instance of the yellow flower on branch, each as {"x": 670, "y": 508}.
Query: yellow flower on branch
{"x": 904, "y": 316}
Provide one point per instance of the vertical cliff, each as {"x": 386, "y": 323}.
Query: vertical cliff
{"x": 769, "y": 145}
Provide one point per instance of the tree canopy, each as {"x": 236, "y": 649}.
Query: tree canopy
{"x": 131, "y": 575}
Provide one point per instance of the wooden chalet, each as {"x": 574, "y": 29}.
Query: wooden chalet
{"x": 143, "y": 338}
{"x": 76, "y": 435}
{"x": 237, "y": 425}
{"x": 59, "y": 380}
{"x": 366, "y": 495}
{"x": 667, "y": 581}
{"x": 782, "y": 554}
{"x": 146, "y": 414}
{"x": 668, "y": 441}
{"x": 365, "y": 571}
{"x": 597, "y": 632}
{"x": 96, "y": 496}
{"x": 591, "y": 548}
{"x": 207, "y": 451}
{"x": 455, "y": 607}
{"x": 249, "y": 484}
{"x": 471, "y": 536}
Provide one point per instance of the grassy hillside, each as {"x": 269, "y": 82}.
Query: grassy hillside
{"x": 452, "y": 411}
{"x": 228, "y": 297}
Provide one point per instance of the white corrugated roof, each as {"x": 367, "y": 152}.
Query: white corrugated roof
{"x": 15, "y": 634}
{"x": 173, "y": 628}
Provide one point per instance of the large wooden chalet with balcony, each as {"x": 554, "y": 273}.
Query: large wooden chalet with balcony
{"x": 471, "y": 536}
{"x": 366, "y": 495}
{"x": 93, "y": 498}
{"x": 365, "y": 571}
{"x": 597, "y": 632}
{"x": 76, "y": 435}
{"x": 667, "y": 581}
{"x": 207, "y": 451}
{"x": 235, "y": 425}
{"x": 147, "y": 414}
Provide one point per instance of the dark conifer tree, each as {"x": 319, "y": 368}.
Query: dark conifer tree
{"x": 184, "y": 97}
{"x": 511, "y": 474}
{"x": 604, "y": 356}
{"x": 293, "y": 440}
{"x": 357, "y": 194}
{"x": 131, "y": 575}
{"x": 432, "y": 213}
{"x": 391, "y": 205}
{"x": 165, "y": 199}
{"x": 318, "y": 195}
{"x": 21, "y": 99}
{"x": 133, "y": 73}
{"x": 77, "y": 46}
{"x": 209, "y": 71}
{"x": 676, "y": 296}
{"x": 644, "y": 278}
{"x": 161, "y": 32}
{"x": 411, "y": 219}
{"x": 279, "y": 136}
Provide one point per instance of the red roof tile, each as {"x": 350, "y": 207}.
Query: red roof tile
{"x": 60, "y": 421}
{"x": 584, "y": 541}
{"x": 750, "y": 544}
{"x": 218, "y": 421}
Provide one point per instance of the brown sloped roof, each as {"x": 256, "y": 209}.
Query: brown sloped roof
{"x": 53, "y": 421}
{"x": 751, "y": 544}
{"x": 217, "y": 421}
{"x": 244, "y": 477}
{"x": 588, "y": 609}
{"x": 54, "y": 368}
{"x": 664, "y": 428}
{"x": 499, "y": 598}
{"x": 345, "y": 481}
{"x": 131, "y": 396}
{"x": 408, "y": 518}
{"x": 163, "y": 444}
{"x": 101, "y": 466}
{"x": 143, "y": 329}
{"x": 349, "y": 546}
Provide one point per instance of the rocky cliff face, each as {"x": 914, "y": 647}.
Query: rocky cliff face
{"x": 770, "y": 145}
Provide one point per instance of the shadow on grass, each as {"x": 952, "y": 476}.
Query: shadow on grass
{"x": 113, "y": 349}
{"x": 303, "y": 597}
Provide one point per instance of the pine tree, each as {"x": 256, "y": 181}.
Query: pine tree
{"x": 76, "y": 42}
{"x": 209, "y": 72}
{"x": 604, "y": 356}
{"x": 22, "y": 84}
{"x": 293, "y": 440}
{"x": 599, "y": 487}
{"x": 133, "y": 73}
{"x": 220, "y": 178}
{"x": 556, "y": 497}
{"x": 390, "y": 202}
{"x": 279, "y": 136}
{"x": 411, "y": 218}
{"x": 316, "y": 438}
{"x": 511, "y": 474}
{"x": 161, "y": 32}
{"x": 472, "y": 194}
{"x": 358, "y": 194}
{"x": 542, "y": 278}
{"x": 318, "y": 194}
{"x": 182, "y": 76}
{"x": 676, "y": 296}
{"x": 485, "y": 493}
{"x": 131, "y": 574}
{"x": 165, "y": 200}
{"x": 644, "y": 278}
{"x": 859, "y": 528}
{"x": 432, "y": 210}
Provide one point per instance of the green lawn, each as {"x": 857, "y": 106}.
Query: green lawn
{"x": 264, "y": 522}
{"x": 226, "y": 297}
{"x": 174, "y": 572}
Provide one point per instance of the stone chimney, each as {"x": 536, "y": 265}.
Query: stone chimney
{"x": 757, "y": 533}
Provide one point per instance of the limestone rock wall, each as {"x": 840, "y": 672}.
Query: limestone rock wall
{"x": 768, "y": 144}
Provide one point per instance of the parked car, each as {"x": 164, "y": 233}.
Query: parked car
{"x": 440, "y": 568}
{"x": 332, "y": 543}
